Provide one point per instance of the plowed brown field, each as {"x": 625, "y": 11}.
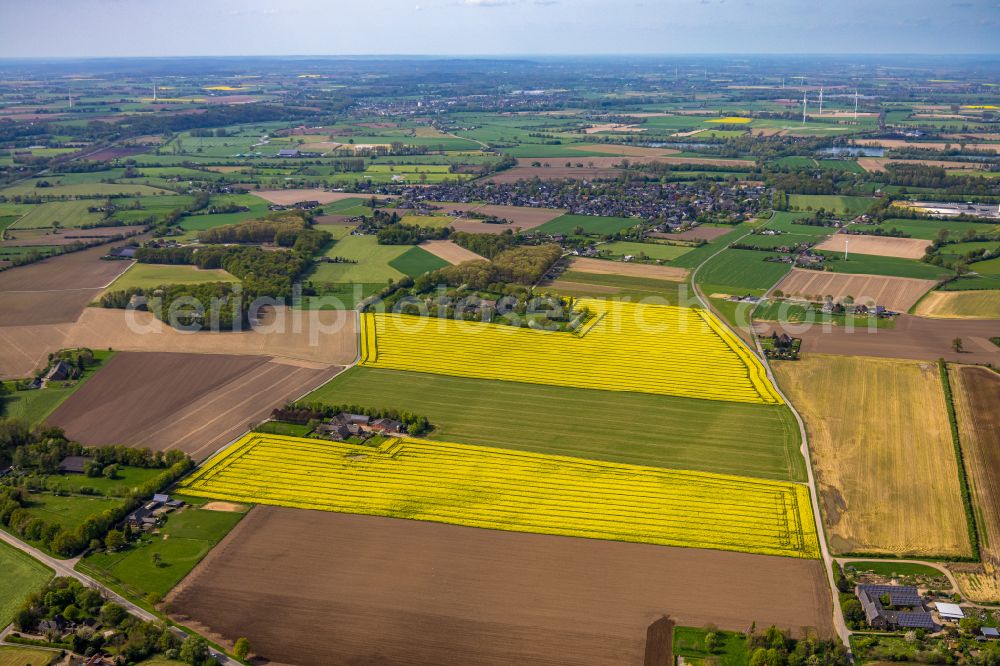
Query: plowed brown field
{"x": 293, "y": 196}
{"x": 882, "y": 452}
{"x": 192, "y": 402}
{"x": 897, "y": 294}
{"x": 389, "y": 591}
{"x": 882, "y": 246}
{"x": 447, "y": 250}
{"x": 605, "y": 267}
{"x": 977, "y": 404}
{"x": 57, "y": 289}
{"x": 912, "y": 337}
{"x": 325, "y": 337}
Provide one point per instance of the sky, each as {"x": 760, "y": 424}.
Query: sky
{"x": 103, "y": 28}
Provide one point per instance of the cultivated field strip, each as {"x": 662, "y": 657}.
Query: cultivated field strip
{"x": 657, "y": 349}
{"x": 515, "y": 490}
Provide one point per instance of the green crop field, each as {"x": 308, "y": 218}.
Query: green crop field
{"x": 149, "y": 276}
{"x": 22, "y": 575}
{"x": 432, "y": 221}
{"x": 652, "y": 250}
{"x": 986, "y": 276}
{"x": 838, "y": 204}
{"x": 68, "y": 214}
{"x": 81, "y": 190}
{"x": 743, "y": 270}
{"x": 700, "y": 254}
{"x": 870, "y": 264}
{"x": 592, "y": 224}
{"x": 666, "y": 431}
{"x": 417, "y": 261}
{"x": 183, "y": 541}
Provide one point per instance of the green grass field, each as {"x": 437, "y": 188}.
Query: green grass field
{"x": 34, "y": 406}
{"x": 149, "y": 276}
{"x": 870, "y": 264}
{"x": 417, "y": 261}
{"x": 660, "y": 251}
{"x": 890, "y": 568}
{"x": 689, "y": 642}
{"x": 838, "y": 204}
{"x": 186, "y": 537}
{"x": 700, "y": 254}
{"x": 663, "y": 431}
{"x": 69, "y": 214}
{"x": 128, "y": 477}
{"x": 28, "y": 189}
{"x": 928, "y": 229}
{"x": 372, "y": 261}
{"x": 68, "y": 511}
{"x": 592, "y": 224}
{"x": 22, "y": 575}
{"x": 25, "y": 656}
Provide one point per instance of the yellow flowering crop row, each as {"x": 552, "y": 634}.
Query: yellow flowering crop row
{"x": 630, "y": 347}
{"x": 515, "y": 490}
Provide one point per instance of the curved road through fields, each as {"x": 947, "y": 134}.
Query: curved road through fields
{"x": 838, "y": 617}
{"x": 66, "y": 569}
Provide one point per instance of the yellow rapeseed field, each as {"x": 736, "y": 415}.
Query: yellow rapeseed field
{"x": 515, "y": 490}
{"x": 730, "y": 120}
{"x": 658, "y": 349}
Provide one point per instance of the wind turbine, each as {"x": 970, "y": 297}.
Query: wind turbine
{"x": 154, "y": 90}
{"x": 821, "y": 100}
{"x": 855, "y": 103}
{"x": 805, "y": 102}
{"x": 846, "y": 241}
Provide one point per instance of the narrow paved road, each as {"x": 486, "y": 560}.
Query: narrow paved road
{"x": 65, "y": 568}
{"x": 838, "y": 617}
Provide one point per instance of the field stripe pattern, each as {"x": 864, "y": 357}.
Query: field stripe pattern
{"x": 656, "y": 349}
{"x": 515, "y": 490}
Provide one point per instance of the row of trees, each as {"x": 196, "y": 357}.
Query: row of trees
{"x": 304, "y": 412}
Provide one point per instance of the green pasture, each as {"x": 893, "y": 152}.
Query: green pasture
{"x": 22, "y": 575}
{"x": 661, "y": 251}
{"x": 591, "y": 224}
{"x": 150, "y": 276}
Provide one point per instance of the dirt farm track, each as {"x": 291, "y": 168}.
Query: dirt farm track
{"x": 413, "y": 593}
{"x": 192, "y": 402}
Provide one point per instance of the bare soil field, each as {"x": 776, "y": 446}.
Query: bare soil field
{"x": 924, "y": 145}
{"x": 698, "y": 233}
{"x": 897, "y": 294}
{"x": 624, "y": 151}
{"x": 882, "y": 246}
{"x": 875, "y": 457}
{"x": 912, "y": 337}
{"x": 519, "y": 216}
{"x": 57, "y": 289}
{"x": 588, "y": 162}
{"x": 453, "y": 254}
{"x": 878, "y": 163}
{"x": 320, "y": 336}
{"x": 552, "y": 173}
{"x": 324, "y": 337}
{"x": 289, "y": 197}
{"x": 978, "y": 304}
{"x": 192, "y": 402}
{"x": 613, "y": 127}
{"x": 27, "y": 237}
{"x": 606, "y": 267}
{"x": 413, "y": 593}
{"x": 976, "y": 394}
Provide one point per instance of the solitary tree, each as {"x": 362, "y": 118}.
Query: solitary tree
{"x": 241, "y": 648}
{"x": 956, "y": 344}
